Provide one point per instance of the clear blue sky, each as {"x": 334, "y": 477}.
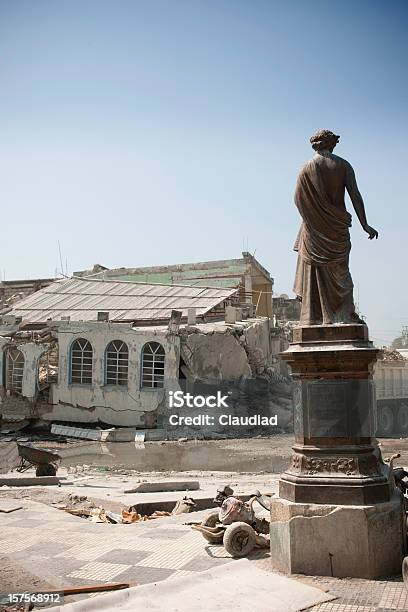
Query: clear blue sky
{"x": 141, "y": 132}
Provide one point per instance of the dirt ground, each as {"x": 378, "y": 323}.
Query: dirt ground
{"x": 15, "y": 579}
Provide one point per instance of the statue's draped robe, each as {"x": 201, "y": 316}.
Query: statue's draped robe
{"x": 323, "y": 280}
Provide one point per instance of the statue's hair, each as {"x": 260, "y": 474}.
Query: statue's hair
{"x": 324, "y": 139}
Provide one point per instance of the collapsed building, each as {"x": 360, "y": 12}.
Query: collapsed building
{"x": 12, "y": 291}
{"x": 108, "y": 352}
{"x": 286, "y": 309}
{"x": 245, "y": 274}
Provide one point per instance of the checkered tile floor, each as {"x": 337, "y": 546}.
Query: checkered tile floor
{"x": 67, "y": 551}
{"x": 363, "y": 595}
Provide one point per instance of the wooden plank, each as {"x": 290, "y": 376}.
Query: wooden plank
{"x": 95, "y": 588}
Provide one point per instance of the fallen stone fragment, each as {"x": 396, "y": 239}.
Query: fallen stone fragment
{"x": 9, "y": 506}
{"x": 156, "y": 487}
{"x": 28, "y": 481}
{"x": 183, "y": 506}
{"x": 113, "y": 517}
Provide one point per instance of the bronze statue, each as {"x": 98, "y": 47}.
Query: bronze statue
{"x": 323, "y": 282}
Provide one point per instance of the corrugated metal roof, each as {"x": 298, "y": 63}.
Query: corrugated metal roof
{"x": 81, "y": 299}
{"x": 227, "y": 281}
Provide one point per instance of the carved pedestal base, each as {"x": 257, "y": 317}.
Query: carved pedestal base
{"x": 341, "y": 541}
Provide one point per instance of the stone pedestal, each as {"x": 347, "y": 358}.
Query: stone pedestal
{"x": 341, "y": 541}
{"x": 336, "y": 465}
{"x": 336, "y": 459}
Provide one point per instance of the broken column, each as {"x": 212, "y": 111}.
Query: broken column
{"x": 338, "y": 512}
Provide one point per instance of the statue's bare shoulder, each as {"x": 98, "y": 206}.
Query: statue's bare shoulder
{"x": 326, "y": 160}
{"x": 331, "y": 160}
{"x": 339, "y": 160}
{"x": 327, "y": 164}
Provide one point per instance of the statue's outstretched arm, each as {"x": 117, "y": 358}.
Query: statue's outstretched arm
{"x": 357, "y": 201}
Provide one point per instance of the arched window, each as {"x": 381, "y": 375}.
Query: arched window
{"x": 116, "y": 363}
{"x": 152, "y": 365}
{"x": 14, "y": 370}
{"x": 81, "y": 362}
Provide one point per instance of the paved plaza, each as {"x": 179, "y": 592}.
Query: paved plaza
{"x": 65, "y": 550}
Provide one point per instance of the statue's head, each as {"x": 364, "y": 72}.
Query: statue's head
{"x": 324, "y": 140}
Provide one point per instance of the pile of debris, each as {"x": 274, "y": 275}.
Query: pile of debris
{"x": 391, "y": 355}
{"x": 79, "y": 505}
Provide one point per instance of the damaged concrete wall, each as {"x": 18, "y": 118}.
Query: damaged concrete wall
{"x": 218, "y": 355}
{"x": 116, "y": 405}
{"x": 16, "y": 406}
{"x": 258, "y": 346}
{"x": 32, "y": 353}
{"x": 227, "y": 352}
{"x": 238, "y": 360}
